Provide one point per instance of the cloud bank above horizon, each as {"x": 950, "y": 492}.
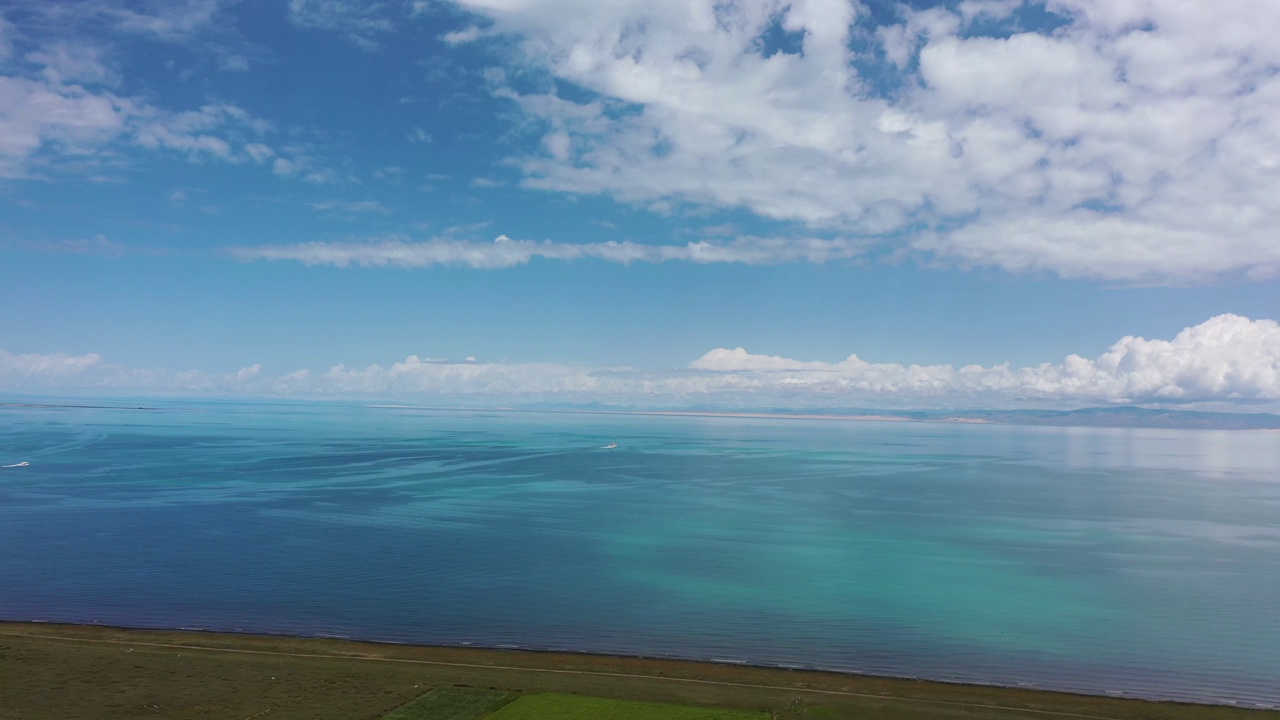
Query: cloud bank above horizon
{"x": 1228, "y": 359}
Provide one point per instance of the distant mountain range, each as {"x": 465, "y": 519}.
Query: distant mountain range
{"x": 1117, "y": 417}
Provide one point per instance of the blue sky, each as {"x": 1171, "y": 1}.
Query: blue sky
{"x": 658, "y": 203}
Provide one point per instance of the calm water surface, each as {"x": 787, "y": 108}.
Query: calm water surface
{"x": 1141, "y": 562}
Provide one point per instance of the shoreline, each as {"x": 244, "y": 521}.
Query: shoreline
{"x": 501, "y": 660}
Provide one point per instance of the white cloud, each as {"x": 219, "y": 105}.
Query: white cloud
{"x": 196, "y": 133}
{"x": 504, "y": 252}
{"x": 41, "y": 114}
{"x": 1140, "y": 141}
{"x": 1227, "y": 359}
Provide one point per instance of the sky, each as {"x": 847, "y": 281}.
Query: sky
{"x": 667, "y": 203}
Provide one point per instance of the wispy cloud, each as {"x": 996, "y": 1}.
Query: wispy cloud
{"x": 1227, "y": 359}
{"x": 64, "y": 112}
{"x": 7, "y": 33}
{"x": 296, "y": 160}
{"x": 97, "y": 245}
{"x": 165, "y": 20}
{"x": 170, "y": 20}
{"x": 15, "y": 368}
{"x": 60, "y": 115}
{"x": 348, "y": 206}
{"x": 210, "y": 131}
{"x": 64, "y": 61}
{"x": 504, "y": 252}
{"x": 363, "y": 23}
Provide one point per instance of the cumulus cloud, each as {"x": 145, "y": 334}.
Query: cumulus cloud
{"x": 1135, "y": 141}
{"x": 504, "y": 252}
{"x": 1226, "y": 359}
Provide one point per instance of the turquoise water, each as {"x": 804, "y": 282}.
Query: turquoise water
{"x": 1136, "y": 562}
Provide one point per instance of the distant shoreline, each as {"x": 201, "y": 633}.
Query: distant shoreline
{"x": 669, "y": 413}
{"x": 1097, "y": 417}
{"x": 940, "y": 419}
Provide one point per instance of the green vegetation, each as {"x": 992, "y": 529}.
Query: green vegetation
{"x": 559, "y": 706}
{"x": 97, "y": 673}
{"x": 451, "y": 703}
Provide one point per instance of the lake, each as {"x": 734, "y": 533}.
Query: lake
{"x": 1110, "y": 561}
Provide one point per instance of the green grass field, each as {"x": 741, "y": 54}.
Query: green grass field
{"x": 559, "y": 706}
{"x": 450, "y": 703}
{"x": 71, "y": 672}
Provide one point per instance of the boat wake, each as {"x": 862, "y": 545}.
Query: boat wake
{"x": 24, "y": 463}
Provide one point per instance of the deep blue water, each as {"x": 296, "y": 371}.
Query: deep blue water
{"x": 1142, "y": 562}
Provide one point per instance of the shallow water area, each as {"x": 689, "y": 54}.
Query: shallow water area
{"x": 1137, "y": 562}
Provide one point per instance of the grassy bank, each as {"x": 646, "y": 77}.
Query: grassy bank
{"x": 62, "y": 671}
